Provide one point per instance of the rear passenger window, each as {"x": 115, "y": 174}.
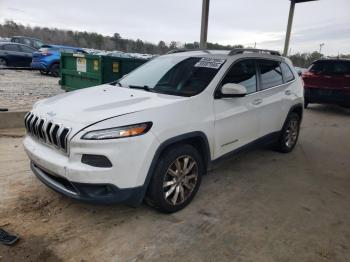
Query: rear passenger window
{"x": 11, "y": 47}
{"x": 287, "y": 73}
{"x": 243, "y": 73}
{"x": 271, "y": 74}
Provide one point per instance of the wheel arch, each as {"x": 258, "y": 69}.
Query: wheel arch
{"x": 298, "y": 109}
{"x": 197, "y": 139}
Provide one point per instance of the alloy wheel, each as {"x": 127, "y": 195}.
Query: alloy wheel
{"x": 2, "y": 63}
{"x": 180, "y": 180}
{"x": 292, "y": 133}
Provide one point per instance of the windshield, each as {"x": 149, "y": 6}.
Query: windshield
{"x": 183, "y": 76}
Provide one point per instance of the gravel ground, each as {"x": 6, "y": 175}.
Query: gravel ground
{"x": 20, "y": 89}
{"x": 260, "y": 206}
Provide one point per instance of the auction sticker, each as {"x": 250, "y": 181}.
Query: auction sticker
{"x": 81, "y": 64}
{"x": 210, "y": 62}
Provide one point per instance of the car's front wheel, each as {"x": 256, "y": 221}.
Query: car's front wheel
{"x": 3, "y": 63}
{"x": 176, "y": 179}
{"x": 289, "y": 135}
{"x": 44, "y": 72}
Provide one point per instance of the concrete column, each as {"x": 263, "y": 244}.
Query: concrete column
{"x": 289, "y": 27}
{"x": 204, "y": 24}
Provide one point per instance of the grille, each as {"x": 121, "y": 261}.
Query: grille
{"x": 46, "y": 131}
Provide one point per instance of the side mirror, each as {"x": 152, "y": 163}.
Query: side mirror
{"x": 233, "y": 90}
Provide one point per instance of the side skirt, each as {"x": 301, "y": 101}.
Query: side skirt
{"x": 262, "y": 141}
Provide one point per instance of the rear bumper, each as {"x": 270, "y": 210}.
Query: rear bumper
{"x": 38, "y": 65}
{"x": 327, "y": 96}
{"x": 94, "y": 193}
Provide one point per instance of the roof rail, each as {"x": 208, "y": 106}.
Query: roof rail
{"x": 180, "y": 50}
{"x": 236, "y": 51}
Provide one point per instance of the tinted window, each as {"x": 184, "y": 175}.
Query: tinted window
{"x": 271, "y": 74}
{"x": 341, "y": 68}
{"x": 27, "y": 49}
{"x": 11, "y": 47}
{"x": 243, "y": 73}
{"x": 26, "y": 41}
{"x": 37, "y": 44}
{"x": 330, "y": 67}
{"x": 287, "y": 73}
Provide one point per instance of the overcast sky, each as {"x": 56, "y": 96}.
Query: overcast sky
{"x": 230, "y": 21}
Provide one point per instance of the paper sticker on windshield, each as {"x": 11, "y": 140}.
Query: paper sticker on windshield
{"x": 210, "y": 62}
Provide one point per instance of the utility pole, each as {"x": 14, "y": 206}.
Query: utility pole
{"x": 321, "y": 45}
{"x": 204, "y": 24}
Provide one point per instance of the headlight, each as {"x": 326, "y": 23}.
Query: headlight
{"x": 118, "y": 132}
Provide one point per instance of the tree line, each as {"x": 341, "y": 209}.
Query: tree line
{"x": 117, "y": 42}
{"x": 96, "y": 41}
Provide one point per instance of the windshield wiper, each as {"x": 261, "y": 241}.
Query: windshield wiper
{"x": 115, "y": 83}
{"x": 147, "y": 88}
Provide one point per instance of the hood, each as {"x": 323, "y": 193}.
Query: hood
{"x": 87, "y": 106}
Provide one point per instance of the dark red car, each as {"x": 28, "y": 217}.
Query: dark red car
{"x": 327, "y": 81}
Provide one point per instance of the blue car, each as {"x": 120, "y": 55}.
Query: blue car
{"x": 47, "y": 58}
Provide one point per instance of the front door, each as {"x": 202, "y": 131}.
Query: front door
{"x": 236, "y": 119}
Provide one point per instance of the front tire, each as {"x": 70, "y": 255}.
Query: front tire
{"x": 176, "y": 179}
{"x": 3, "y": 63}
{"x": 289, "y": 134}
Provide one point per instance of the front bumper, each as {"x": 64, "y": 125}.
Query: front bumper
{"x": 95, "y": 193}
{"x": 122, "y": 182}
{"x": 38, "y": 65}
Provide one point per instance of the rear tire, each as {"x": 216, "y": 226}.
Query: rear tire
{"x": 55, "y": 70}
{"x": 289, "y": 134}
{"x": 176, "y": 179}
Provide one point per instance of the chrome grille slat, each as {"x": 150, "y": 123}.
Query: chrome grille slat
{"x": 51, "y": 133}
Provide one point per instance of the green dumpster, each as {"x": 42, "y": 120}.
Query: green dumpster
{"x": 84, "y": 70}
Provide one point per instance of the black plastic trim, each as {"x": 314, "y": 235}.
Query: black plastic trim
{"x": 88, "y": 192}
{"x": 263, "y": 141}
{"x": 96, "y": 160}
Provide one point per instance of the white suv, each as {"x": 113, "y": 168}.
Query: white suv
{"x": 152, "y": 134}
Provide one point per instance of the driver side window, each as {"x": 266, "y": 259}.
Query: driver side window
{"x": 243, "y": 73}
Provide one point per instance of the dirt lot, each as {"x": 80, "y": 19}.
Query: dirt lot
{"x": 260, "y": 206}
{"x": 19, "y": 89}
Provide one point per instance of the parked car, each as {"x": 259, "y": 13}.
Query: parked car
{"x": 47, "y": 58}
{"x": 327, "y": 81}
{"x": 153, "y": 133}
{"x": 16, "y": 55}
{"x": 29, "y": 41}
{"x": 300, "y": 70}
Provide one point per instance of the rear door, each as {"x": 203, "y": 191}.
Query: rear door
{"x": 12, "y": 54}
{"x": 274, "y": 95}
{"x": 236, "y": 119}
{"x": 27, "y": 53}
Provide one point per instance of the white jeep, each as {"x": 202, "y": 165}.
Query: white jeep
{"x": 152, "y": 134}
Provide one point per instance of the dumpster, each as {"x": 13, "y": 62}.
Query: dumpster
{"x": 84, "y": 70}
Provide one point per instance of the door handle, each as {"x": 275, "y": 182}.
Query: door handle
{"x": 288, "y": 92}
{"x": 257, "y": 102}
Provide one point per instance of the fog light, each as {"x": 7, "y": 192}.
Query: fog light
{"x": 96, "y": 160}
